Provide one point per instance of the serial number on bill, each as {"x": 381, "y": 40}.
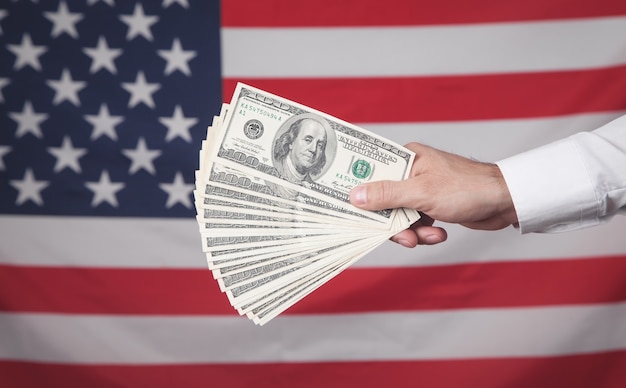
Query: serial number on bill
{"x": 348, "y": 179}
{"x": 260, "y": 111}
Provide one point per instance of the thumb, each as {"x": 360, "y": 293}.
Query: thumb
{"x": 378, "y": 195}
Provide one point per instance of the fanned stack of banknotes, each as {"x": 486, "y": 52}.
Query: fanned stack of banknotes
{"x": 272, "y": 199}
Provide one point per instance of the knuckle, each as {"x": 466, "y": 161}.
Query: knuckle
{"x": 386, "y": 192}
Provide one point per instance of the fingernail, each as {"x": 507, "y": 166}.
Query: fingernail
{"x": 432, "y": 239}
{"x": 358, "y": 196}
{"x": 405, "y": 243}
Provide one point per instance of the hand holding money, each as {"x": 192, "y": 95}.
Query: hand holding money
{"x": 272, "y": 199}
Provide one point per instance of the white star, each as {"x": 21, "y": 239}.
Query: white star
{"x": 63, "y": 21}
{"x": 141, "y": 157}
{"x": 3, "y": 82}
{"x": 103, "y": 123}
{"x": 67, "y": 155}
{"x": 26, "y": 53}
{"x": 3, "y": 151}
{"x": 104, "y": 190}
{"x": 66, "y": 88}
{"x": 183, "y": 3}
{"x": 177, "y": 58}
{"x": 102, "y": 56}
{"x": 28, "y": 121}
{"x": 29, "y": 188}
{"x": 178, "y": 191}
{"x": 3, "y": 14}
{"x": 178, "y": 125}
{"x": 139, "y": 23}
{"x": 140, "y": 91}
{"x": 109, "y": 2}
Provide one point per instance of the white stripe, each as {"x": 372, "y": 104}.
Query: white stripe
{"x": 166, "y": 243}
{"x": 466, "y": 246}
{"x": 491, "y": 140}
{"x": 101, "y": 242}
{"x": 441, "y": 335}
{"x": 424, "y": 50}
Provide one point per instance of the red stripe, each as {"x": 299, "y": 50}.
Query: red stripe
{"x": 325, "y": 13}
{"x": 191, "y": 292}
{"x": 446, "y": 98}
{"x": 513, "y": 284}
{"x": 110, "y": 291}
{"x": 601, "y": 370}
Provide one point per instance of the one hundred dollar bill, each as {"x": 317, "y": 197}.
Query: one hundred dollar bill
{"x": 298, "y": 150}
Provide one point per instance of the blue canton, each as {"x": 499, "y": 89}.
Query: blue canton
{"x": 104, "y": 105}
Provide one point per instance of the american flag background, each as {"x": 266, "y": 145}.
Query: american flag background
{"x": 103, "y": 107}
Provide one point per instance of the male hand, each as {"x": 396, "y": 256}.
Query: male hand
{"x": 444, "y": 187}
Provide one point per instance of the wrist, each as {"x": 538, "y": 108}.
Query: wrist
{"x": 504, "y": 200}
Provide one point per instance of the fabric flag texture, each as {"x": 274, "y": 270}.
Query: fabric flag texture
{"x": 103, "y": 107}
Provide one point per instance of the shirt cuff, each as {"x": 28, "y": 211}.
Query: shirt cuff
{"x": 550, "y": 188}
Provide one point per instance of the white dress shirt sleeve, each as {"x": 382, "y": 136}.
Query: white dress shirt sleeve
{"x": 573, "y": 183}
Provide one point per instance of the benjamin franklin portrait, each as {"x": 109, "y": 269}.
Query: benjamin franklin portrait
{"x": 304, "y": 148}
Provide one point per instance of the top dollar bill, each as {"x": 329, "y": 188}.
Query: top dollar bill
{"x": 303, "y": 154}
